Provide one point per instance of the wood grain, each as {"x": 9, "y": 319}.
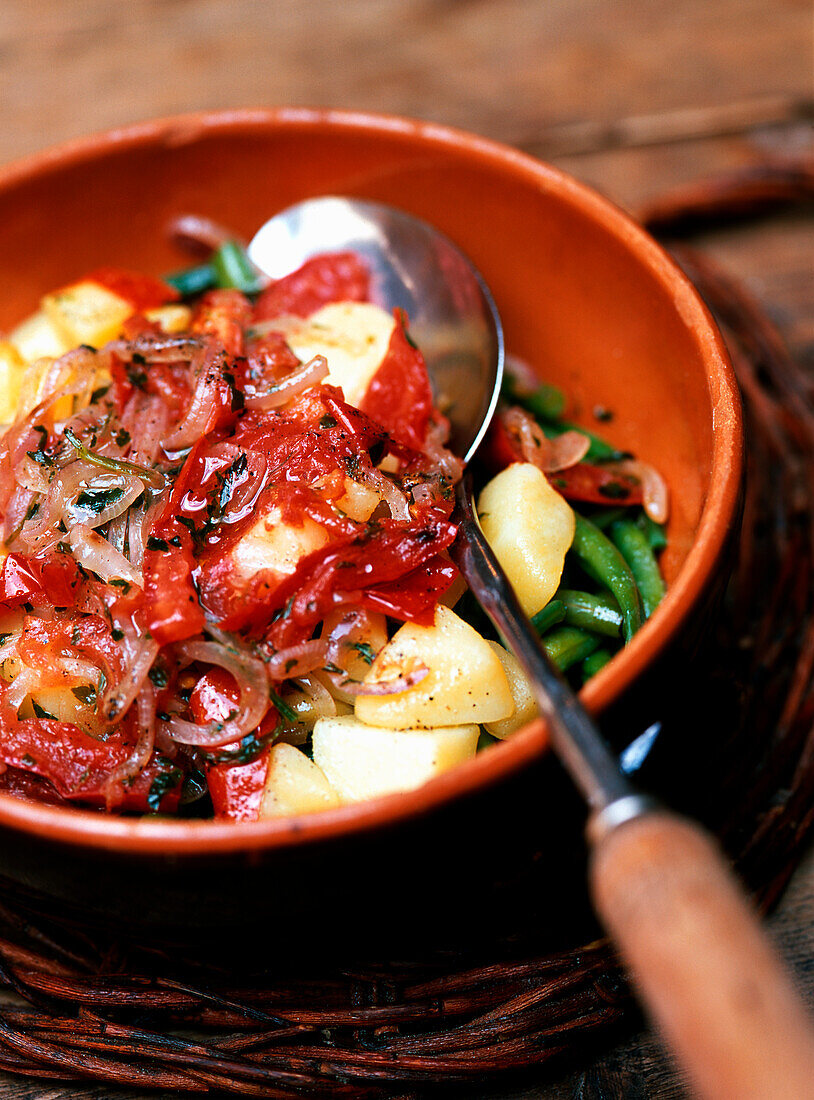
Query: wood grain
{"x": 633, "y": 97}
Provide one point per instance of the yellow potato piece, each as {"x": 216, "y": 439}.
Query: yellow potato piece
{"x": 465, "y": 683}
{"x": 364, "y": 761}
{"x": 12, "y": 369}
{"x": 38, "y": 338}
{"x": 172, "y": 318}
{"x": 86, "y": 313}
{"x": 530, "y": 528}
{"x": 272, "y": 544}
{"x": 525, "y": 708}
{"x": 295, "y": 785}
{"x": 353, "y": 337}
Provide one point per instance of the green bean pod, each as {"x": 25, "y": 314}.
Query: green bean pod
{"x": 193, "y": 280}
{"x": 233, "y": 268}
{"x": 634, "y": 546}
{"x": 594, "y": 662}
{"x": 568, "y": 645}
{"x": 551, "y": 614}
{"x": 597, "y": 613}
{"x": 602, "y": 559}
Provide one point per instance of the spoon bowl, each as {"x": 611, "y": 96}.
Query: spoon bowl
{"x": 416, "y": 268}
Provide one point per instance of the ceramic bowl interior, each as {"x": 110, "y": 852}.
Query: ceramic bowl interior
{"x": 585, "y": 295}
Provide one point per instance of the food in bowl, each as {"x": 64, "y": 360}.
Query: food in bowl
{"x": 226, "y": 516}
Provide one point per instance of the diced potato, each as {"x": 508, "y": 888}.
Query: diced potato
{"x": 353, "y": 337}
{"x": 364, "y": 761}
{"x": 295, "y": 785}
{"x": 12, "y": 369}
{"x": 86, "y": 313}
{"x": 530, "y": 528}
{"x": 525, "y": 708}
{"x": 272, "y": 544}
{"x": 66, "y": 705}
{"x": 173, "y": 318}
{"x": 38, "y": 338}
{"x": 466, "y": 681}
{"x": 358, "y": 501}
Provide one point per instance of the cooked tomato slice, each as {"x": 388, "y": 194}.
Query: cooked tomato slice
{"x": 399, "y": 395}
{"x": 331, "y": 277}
{"x": 171, "y": 608}
{"x": 142, "y": 291}
{"x": 414, "y": 596}
{"x": 19, "y": 581}
{"x": 224, "y": 314}
{"x": 237, "y": 789}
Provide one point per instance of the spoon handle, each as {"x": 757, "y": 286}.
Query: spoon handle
{"x": 703, "y": 967}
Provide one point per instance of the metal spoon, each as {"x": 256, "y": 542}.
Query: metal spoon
{"x": 662, "y": 887}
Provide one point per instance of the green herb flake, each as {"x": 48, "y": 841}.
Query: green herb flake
{"x": 163, "y": 782}
{"x": 365, "y": 651}
{"x": 96, "y": 500}
{"x": 328, "y": 422}
{"x": 41, "y": 712}
{"x": 282, "y": 708}
{"x": 154, "y": 543}
{"x": 85, "y": 694}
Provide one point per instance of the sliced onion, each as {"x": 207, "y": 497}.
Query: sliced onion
{"x": 202, "y": 408}
{"x": 158, "y": 348}
{"x": 524, "y": 379}
{"x": 198, "y": 235}
{"x": 548, "y": 455}
{"x": 655, "y": 494}
{"x": 142, "y": 752}
{"x": 96, "y": 554}
{"x": 301, "y": 379}
{"x": 321, "y": 699}
{"x": 296, "y": 660}
{"x": 250, "y": 675}
{"x": 139, "y": 653}
{"x": 406, "y": 679}
{"x": 394, "y": 497}
{"x": 443, "y": 461}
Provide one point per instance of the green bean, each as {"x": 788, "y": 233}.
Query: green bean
{"x": 193, "y": 280}
{"x": 602, "y": 559}
{"x": 551, "y": 614}
{"x": 233, "y": 268}
{"x": 599, "y": 613}
{"x": 594, "y": 662}
{"x": 634, "y": 546}
{"x": 546, "y": 402}
{"x": 656, "y": 535}
{"x": 604, "y": 517}
{"x": 568, "y": 645}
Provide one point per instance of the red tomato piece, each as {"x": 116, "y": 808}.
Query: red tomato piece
{"x": 237, "y": 789}
{"x": 171, "y": 608}
{"x": 215, "y": 697}
{"x": 142, "y": 291}
{"x": 59, "y": 577}
{"x": 223, "y": 314}
{"x": 597, "y": 485}
{"x": 19, "y": 581}
{"x": 331, "y": 277}
{"x": 414, "y": 596}
{"x": 399, "y": 395}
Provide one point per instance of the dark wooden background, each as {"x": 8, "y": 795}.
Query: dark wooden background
{"x": 632, "y": 96}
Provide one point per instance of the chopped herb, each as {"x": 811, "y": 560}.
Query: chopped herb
{"x": 5, "y": 637}
{"x": 154, "y": 543}
{"x": 365, "y": 651}
{"x": 122, "y": 437}
{"x": 602, "y": 414}
{"x": 335, "y": 669}
{"x": 238, "y": 400}
{"x": 28, "y": 759}
{"x": 120, "y": 582}
{"x": 41, "y": 712}
{"x": 282, "y": 708}
{"x": 154, "y": 478}
{"x": 116, "y": 634}
{"x": 159, "y": 676}
{"x": 328, "y": 422}
{"x": 32, "y": 509}
{"x": 614, "y": 490}
{"x": 163, "y": 782}
{"x": 96, "y": 500}
{"x": 88, "y": 347}
{"x": 175, "y": 540}
{"x": 97, "y": 395}
{"x": 85, "y": 694}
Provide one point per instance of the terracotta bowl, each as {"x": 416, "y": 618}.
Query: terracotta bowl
{"x": 585, "y": 295}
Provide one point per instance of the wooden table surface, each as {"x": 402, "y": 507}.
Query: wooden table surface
{"x": 632, "y": 96}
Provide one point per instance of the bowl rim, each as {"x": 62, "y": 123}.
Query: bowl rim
{"x": 160, "y": 838}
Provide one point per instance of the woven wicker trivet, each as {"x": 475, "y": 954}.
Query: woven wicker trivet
{"x": 91, "y": 1008}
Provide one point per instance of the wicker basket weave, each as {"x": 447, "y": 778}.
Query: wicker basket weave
{"x": 85, "y": 1008}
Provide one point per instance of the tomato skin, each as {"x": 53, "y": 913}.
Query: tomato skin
{"x": 223, "y": 314}
{"x": 413, "y": 597}
{"x": 171, "y": 609}
{"x": 331, "y": 277}
{"x": 237, "y": 789}
{"x": 76, "y": 764}
{"x": 19, "y": 581}
{"x": 399, "y": 395}
{"x": 141, "y": 291}
{"x": 59, "y": 577}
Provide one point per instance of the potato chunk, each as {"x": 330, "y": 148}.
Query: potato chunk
{"x": 272, "y": 544}
{"x": 465, "y": 683}
{"x": 353, "y": 337}
{"x": 525, "y": 707}
{"x": 86, "y": 313}
{"x": 295, "y": 785}
{"x": 38, "y": 338}
{"x": 364, "y": 761}
{"x": 530, "y": 528}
